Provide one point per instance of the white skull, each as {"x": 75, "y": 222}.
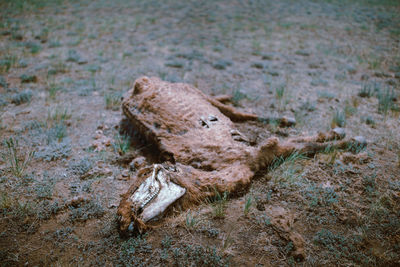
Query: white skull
{"x": 155, "y": 194}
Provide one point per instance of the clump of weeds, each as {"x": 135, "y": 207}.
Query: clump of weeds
{"x": 247, "y": 205}
{"x": 17, "y": 160}
{"x": 366, "y": 90}
{"x": 219, "y": 204}
{"x": 338, "y": 119}
{"x": 22, "y": 97}
{"x": 191, "y": 220}
{"x": 113, "y": 100}
{"x": 286, "y": 169}
{"x": 386, "y": 100}
{"x": 58, "y": 115}
{"x": 53, "y": 89}
{"x": 122, "y": 144}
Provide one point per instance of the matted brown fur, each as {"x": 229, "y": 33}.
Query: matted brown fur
{"x": 195, "y": 133}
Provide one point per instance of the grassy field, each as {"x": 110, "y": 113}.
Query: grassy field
{"x": 64, "y": 66}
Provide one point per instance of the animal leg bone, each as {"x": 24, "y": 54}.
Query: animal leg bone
{"x": 236, "y": 115}
{"x": 272, "y": 148}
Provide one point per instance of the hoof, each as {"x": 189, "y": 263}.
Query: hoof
{"x": 339, "y": 132}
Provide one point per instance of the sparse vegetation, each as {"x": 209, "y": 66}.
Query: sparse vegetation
{"x": 56, "y": 133}
{"x": 58, "y": 67}
{"x": 122, "y": 143}
{"x": 191, "y": 220}
{"x": 326, "y": 95}
{"x": 338, "y": 119}
{"x": 196, "y": 255}
{"x": 132, "y": 250}
{"x": 281, "y": 95}
{"x": 22, "y": 97}
{"x": 237, "y": 96}
{"x": 366, "y": 90}
{"x": 7, "y": 62}
{"x": 219, "y": 204}
{"x": 33, "y": 47}
{"x": 55, "y": 150}
{"x": 17, "y": 160}
{"x": 113, "y": 100}
{"x": 53, "y": 89}
{"x": 247, "y": 205}
{"x": 386, "y": 100}
{"x": 343, "y": 248}
{"x": 86, "y": 210}
{"x": 58, "y": 115}
{"x": 286, "y": 169}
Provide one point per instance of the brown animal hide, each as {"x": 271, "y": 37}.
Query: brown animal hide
{"x": 200, "y": 149}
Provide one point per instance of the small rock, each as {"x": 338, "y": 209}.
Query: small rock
{"x": 103, "y": 127}
{"x": 106, "y": 171}
{"x": 124, "y": 176}
{"x": 101, "y": 141}
{"x": 76, "y": 201}
{"x": 99, "y": 134}
{"x": 360, "y": 140}
{"x": 340, "y": 132}
{"x": 137, "y": 163}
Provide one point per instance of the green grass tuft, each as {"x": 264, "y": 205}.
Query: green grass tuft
{"x": 17, "y": 162}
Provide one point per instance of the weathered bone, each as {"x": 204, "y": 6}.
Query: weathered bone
{"x": 155, "y": 194}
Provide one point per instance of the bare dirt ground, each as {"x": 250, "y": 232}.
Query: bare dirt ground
{"x": 65, "y": 64}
